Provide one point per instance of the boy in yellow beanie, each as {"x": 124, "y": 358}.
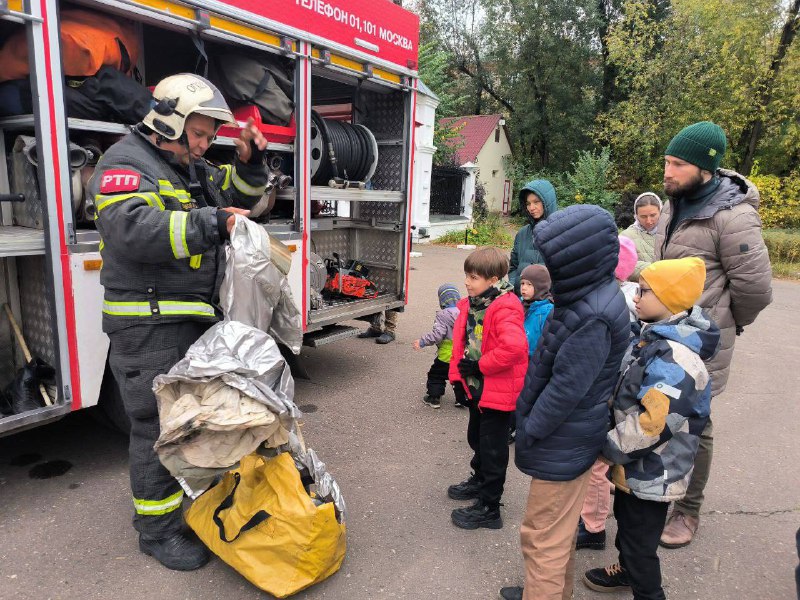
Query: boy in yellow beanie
{"x": 661, "y": 405}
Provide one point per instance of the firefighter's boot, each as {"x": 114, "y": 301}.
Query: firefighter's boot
{"x": 179, "y": 552}
{"x": 385, "y": 338}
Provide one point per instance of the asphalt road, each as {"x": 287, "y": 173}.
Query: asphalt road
{"x": 69, "y": 536}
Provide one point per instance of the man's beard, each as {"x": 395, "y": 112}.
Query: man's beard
{"x": 673, "y": 190}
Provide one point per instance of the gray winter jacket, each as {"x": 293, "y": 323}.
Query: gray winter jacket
{"x": 442, "y": 333}
{"x": 726, "y": 234}
{"x": 161, "y": 248}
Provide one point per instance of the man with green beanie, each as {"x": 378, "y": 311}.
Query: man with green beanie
{"x": 712, "y": 214}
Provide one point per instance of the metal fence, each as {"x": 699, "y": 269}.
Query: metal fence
{"x": 447, "y": 184}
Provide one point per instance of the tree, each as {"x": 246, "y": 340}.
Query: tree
{"x": 754, "y": 129}
{"x": 691, "y": 60}
{"x": 434, "y": 71}
{"x": 537, "y": 62}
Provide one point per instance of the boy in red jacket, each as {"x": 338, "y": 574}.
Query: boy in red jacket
{"x": 490, "y": 358}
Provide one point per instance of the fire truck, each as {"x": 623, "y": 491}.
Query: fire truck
{"x": 353, "y": 65}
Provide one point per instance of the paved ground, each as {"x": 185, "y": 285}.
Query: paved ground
{"x": 68, "y": 537}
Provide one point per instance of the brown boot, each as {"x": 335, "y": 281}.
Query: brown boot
{"x": 679, "y": 530}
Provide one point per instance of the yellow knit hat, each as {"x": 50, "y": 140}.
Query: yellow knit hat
{"x": 677, "y": 283}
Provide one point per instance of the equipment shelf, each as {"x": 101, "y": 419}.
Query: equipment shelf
{"x": 23, "y": 122}
{"x": 328, "y": 194}
{"x": 20, "y": 241}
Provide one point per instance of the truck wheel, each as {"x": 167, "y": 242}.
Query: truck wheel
{"x": 111, "y": 404}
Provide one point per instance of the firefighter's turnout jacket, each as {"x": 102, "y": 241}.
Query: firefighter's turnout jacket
{"x": 161, "y": 248}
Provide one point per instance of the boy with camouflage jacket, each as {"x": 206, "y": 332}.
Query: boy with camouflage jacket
{"x": 660, "y": 406}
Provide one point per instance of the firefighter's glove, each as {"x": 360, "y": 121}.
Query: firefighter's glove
{"x": 468, "y": 367}
{"x": 256, "y": 155}
{"x": 222, "y": 224}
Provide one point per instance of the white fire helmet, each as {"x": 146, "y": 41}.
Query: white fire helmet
{"x": 178, "y": 96}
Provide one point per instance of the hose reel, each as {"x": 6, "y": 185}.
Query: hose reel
{"x": 341, "y": 153}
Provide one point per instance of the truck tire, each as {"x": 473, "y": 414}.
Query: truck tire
{"x": 111, "y": 404}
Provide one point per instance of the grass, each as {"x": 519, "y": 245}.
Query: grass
{"x": 784, "y": 252}
{"x": 491, "y": 232}
{"x": 784, "y": 270}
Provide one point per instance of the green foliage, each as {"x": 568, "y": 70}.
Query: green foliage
{"x": 786, "y": 270}
{"x": 491, "y": 231}
{"x": 591, "y": 179}
{"x": 783, "y": 245}
{"x": 521, "y": 171}
{"x": 577, "y": 76}
{"x": 536, "y": 62}
{"x": 780, "y": 200}
{"x": 784, "y": 251}
{"x": 692, "y": 60}
{"x": 435, "y": 71}
{"x": 447, "y": 142}
{"x": 480, "y": 210}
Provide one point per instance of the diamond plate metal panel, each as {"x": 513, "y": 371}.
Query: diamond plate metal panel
{"x": 34, "y": 297}
{"x": 384, "y": 114}
{"x": 325, "y": 243}
{"x": 389, "y": 172}
{"x": 381, "y": 211}
{"x": 382, "y": 247}
{"x": 385, "y": 279}
{"x": 24, "y": 181}
{"x": 7, "y": 344}
{"x": 374, "y": 245}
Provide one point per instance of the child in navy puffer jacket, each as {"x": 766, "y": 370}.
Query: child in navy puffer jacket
{"x": 441, "y": 336}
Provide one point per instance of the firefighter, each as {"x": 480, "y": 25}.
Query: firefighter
{"x": 163, "y": 213}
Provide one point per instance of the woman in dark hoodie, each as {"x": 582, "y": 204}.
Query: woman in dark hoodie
{"x": 537, "y": 200}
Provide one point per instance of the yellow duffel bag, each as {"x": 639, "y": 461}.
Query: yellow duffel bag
{"x": 261, "y": 521}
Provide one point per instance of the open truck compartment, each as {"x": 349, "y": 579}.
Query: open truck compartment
{"x": 355, "y": 207}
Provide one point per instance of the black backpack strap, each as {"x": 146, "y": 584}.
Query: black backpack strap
{"x": 262, "y": 85}
{"x": 125, "y": 57}
{"x": 255, "y": 520}
{"x": 202, "y": 54}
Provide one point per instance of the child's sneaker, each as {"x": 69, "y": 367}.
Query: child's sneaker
{"x": 466, "y": 490}
{"x": 607, "y": 579}
{"x": 477, "y": 515}
{"x": 432, "y": 401}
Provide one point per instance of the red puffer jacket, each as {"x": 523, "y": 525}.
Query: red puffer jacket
{"x": 504, "y": 351}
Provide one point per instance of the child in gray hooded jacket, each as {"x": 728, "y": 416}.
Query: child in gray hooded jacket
{"x": 441, "y": 336}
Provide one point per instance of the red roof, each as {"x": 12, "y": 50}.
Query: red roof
{"x": 473, "y": 131}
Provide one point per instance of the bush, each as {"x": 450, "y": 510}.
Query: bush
{"x": 780, "y": 200}
{"x": 489, "y": 232}
{"x": 480, "y": 210}
{"x": 784, "y": 251}
{"x": 783, "y": 245}
{"x": 591, "y": 179}
{"x": 520, "y": 173}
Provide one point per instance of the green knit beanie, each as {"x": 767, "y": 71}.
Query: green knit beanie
{"x": 701, "y": 144}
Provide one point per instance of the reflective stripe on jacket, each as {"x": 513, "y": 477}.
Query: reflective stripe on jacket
{"x": 161, "y": 248}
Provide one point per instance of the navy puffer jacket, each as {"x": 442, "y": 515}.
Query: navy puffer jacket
{"x": 562, "y": 412}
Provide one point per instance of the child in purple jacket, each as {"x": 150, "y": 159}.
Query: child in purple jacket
{"x": 442, "y": 337}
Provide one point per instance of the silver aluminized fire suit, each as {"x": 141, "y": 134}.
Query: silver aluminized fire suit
{"x": 163, "y": 263}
